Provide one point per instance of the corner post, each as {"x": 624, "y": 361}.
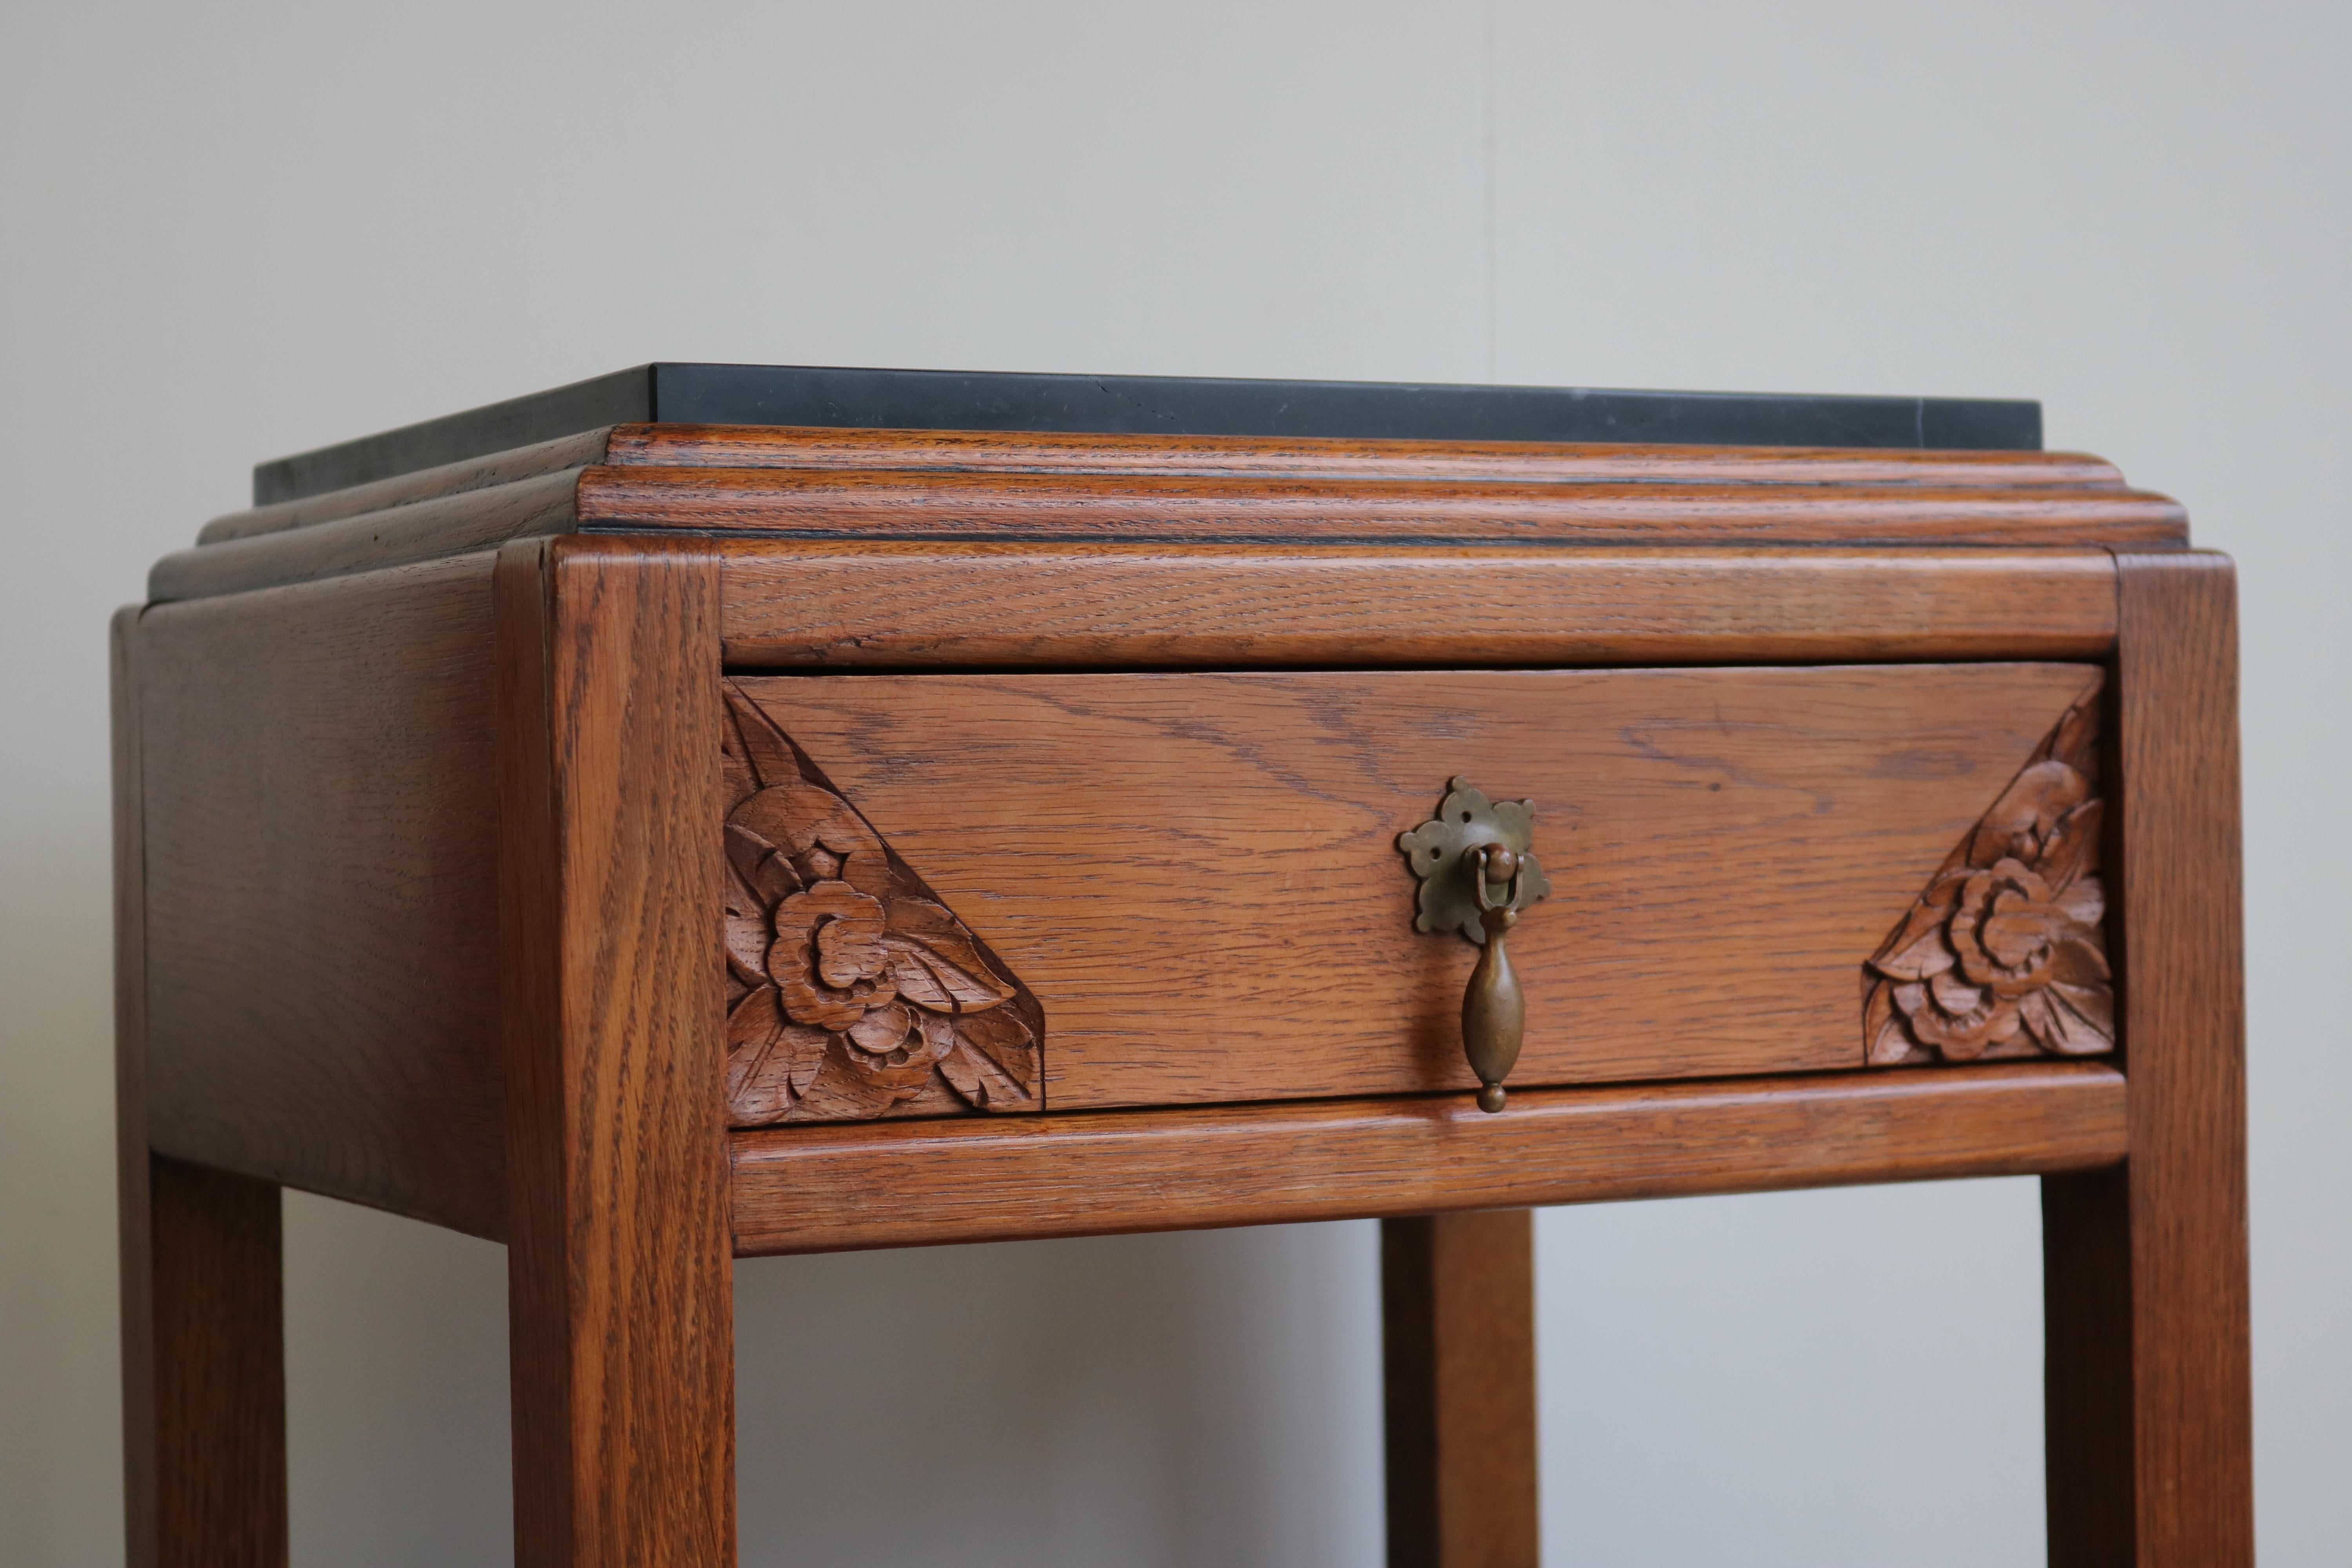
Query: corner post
{"x": 2148, "y": 1401}
{"x": 620, "y": 1253}
{"x": 1457, "y": 1305}
{"x": 203, "y": 1341}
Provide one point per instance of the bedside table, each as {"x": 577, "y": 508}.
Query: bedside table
{"x": 715, "y": 811}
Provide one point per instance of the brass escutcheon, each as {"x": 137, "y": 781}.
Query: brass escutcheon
{"x": 1477, "y": 864}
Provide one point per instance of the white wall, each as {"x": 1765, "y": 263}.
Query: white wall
{"x": 233, "y": 232}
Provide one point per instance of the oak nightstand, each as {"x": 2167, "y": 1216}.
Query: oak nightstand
{"x": 721, "y": 810}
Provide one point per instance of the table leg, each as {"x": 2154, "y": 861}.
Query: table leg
{"x": 205, "y": 1374}
{"x": 203, "y": 1292}
{"x": 1457, "y": 1297}
{"x": 2150, "y": 1420}
{"x": 619, "y": 1254}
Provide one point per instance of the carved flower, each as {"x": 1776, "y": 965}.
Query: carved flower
{"x": 854, "y": 993}
{"x": 828, "y": 956}
{"x": 2003, "y": 954}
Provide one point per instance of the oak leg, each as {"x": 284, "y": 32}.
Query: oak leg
{"x": 619, "y": 1254}
{"x": 1457, "y": 1300}
{"x": 205, "y": 1374}
{"x": 2149, "y": 1419}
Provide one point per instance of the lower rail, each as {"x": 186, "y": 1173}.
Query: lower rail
{"x": 912, "y": 1184}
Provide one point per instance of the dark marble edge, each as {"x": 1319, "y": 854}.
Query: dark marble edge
{"x": 1147, "y": 405}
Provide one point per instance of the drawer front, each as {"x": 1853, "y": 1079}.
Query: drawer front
{"x": 1148, "y": 889}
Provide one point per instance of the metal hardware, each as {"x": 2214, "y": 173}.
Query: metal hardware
{"x": 1476, "y": 863}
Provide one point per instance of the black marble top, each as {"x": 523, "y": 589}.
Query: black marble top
{"x": 1171, "y": 405}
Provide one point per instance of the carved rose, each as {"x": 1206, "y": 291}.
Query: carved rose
{"x": 852, "y": 994}
{"x": 2002, "y": 954}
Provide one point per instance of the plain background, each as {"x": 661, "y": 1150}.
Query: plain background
{"x": 227, "y": 233}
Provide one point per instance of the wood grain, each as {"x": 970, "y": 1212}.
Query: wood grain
{"x": 2148, "y": 1400}
{"x": 802, "y": 604}
{"x": 620, "y": 1293}
{"x": 321, "y": 819}
{"x": 915, "y": 1184}
{"x": 1196, "y": 874}
{"x": 219, "y": 1369}
{"x": 1077, "y": 507}
{"x": 1458, "y": 1352}
{"x": 988, "y": 451}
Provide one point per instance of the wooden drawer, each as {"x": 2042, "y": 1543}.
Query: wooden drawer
{"x": 1193, "y": 882}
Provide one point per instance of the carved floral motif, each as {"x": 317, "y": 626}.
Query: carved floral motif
{"x": 2004, "y": 956}
{"x": 852, "y": 991}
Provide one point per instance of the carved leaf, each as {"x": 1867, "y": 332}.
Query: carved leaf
{"x": 769, "y": 1061}
{"x": 1917, "y": 949}
{"x": 2003, "y": 954}
{"x": 846, "y": 1088}
{"x": 859, "y": 993}
{"x": 999, "y": 1038}
{"x": 2086, "y": 903}
{"x": 935, "y": 962}
{"x": 993, "y": 1062}
{"x": 2072, "y": 848}
{"x": 755, "y": 744}
{"x": 2022, "y": 819}
{"x": 768, "y": 876}
{"x": 1882, "y": 1027}
{"x": 747, "y": 931}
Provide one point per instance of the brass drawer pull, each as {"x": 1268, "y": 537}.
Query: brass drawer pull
{"x": 1477, "y": 864}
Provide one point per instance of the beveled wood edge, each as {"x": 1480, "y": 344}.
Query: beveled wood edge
{"x": 133, "y": 1194}
{"x": 987, "y": 451}
{"x": 461, "y": 478}
{"x": 843, "y": 607}
{"x": 947, "y": 505}
{"x": 930, "y": 485}
{"x": 822, "y": 1189}
{"x": 425, "y": 530}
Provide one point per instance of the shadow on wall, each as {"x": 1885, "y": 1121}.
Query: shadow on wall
{"x": 1132, "y": 1400}
{"x": 1138, "y": 1401}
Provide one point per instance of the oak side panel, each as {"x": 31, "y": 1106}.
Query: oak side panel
{"x": 842, "y": 1186}
{"x": 1110, "y": 507}
{"x": 620, "y": 1266}
{"x": 2149, "y": 1407}
{"x": 1458, "y": 1344}
{"x": 994, "y": 451}
{"x": 804, "y": 604}
{"x": 321, "y": 827}
{"x": 1196, "y": 875}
